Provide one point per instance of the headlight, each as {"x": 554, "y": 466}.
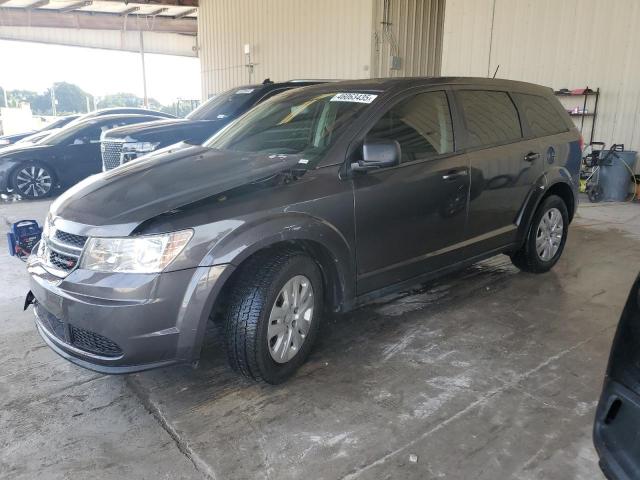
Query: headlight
{"x": 139, "y": 147}
{"x": 144, "y": 254}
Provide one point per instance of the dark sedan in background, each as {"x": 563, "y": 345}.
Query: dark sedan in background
{"x": 6, "y": 140}
{"x": 125, "y": 144}
{"x": 60, "y": 159}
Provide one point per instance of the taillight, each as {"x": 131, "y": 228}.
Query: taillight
{"x": 581, "y": 143}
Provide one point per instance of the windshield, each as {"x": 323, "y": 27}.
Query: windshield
{"x": 61, "y": 122}
{"x": 227, "y": 104}
{"x": 306, "y": 123}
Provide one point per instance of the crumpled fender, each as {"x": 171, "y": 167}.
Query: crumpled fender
{"x": 249, "y": 238}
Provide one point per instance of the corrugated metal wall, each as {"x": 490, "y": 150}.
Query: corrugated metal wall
{"x": 289, "y": 39}
{"x": 312, "y": 39}
{"x": 561, "y": 44}
{"x": 416, "y": 28}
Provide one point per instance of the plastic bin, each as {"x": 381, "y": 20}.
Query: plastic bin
{"x": 615, "y": 178}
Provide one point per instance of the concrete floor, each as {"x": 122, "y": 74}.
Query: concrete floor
{"x": 488, "y": 374}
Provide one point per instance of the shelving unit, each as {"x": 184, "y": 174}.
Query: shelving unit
{"x": 592, "y": 114}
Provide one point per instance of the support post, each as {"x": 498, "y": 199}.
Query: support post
{"x": 144, "y": 71}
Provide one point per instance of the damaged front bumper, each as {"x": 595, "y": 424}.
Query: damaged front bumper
{"x": 123, "y": 322}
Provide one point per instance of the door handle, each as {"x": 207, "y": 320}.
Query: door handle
{"x": 531, "y": 157}
{"x": 454, "y": 174}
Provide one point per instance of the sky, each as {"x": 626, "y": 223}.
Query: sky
{"x": 36, "y": 66}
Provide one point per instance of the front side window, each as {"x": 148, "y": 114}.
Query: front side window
{"x": 491, "y": 117}
{"x": 302, "y": 123}
{"x": 421, "y": 124}
{"x": 226, "y": 104}
{"x": 543, "y": 118}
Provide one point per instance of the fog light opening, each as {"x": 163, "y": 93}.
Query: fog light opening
{"x": 613, "y": 411}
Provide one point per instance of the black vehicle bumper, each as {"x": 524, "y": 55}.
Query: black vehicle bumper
{"x": 123, "y": 323}
{"x": 615, "y": 432}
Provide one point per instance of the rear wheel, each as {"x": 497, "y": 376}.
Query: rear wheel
{"x": 546, "y": 238}
{"x": 273, "y": 315}
{"x": 32, "y": 180}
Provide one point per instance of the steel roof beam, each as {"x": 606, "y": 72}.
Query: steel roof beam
{"x": 22, "y": 17}
{"x": 128, "y": 11}
{"x": 75, "y": 6}
{"x": 185, "y": 13}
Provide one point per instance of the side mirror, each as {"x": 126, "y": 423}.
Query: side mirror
{"x": 378, "y": 154}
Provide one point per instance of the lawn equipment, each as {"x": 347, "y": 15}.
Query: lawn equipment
{"x": 593, "y": 162}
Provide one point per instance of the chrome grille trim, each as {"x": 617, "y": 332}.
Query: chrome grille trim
{"x": 111, "y": 149}
{"x": 61, "y": 252}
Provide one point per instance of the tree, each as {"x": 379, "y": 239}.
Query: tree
{"x": 17, "y": 97}
{"x": 123, "y": 99}
{"x": 70, "y": 98}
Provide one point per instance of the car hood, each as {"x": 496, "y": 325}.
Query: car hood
{"x": 20, "y": 151}
{"x": 115, "y": 202}
{"x": 140, "y": 131}
{"x": 16, "y": 136}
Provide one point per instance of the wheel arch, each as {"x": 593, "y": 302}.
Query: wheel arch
{"x": 324, "y": 243}
{"x": 540, "y": 191}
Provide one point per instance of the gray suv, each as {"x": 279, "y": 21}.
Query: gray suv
{"x": 316, "y": 200}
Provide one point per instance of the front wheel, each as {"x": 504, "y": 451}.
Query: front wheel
{"x": 273, "y": 315}
{"x": 546, "y": 237}
{"x": 32, "y": 180}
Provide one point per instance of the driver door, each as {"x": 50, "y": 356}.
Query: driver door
{"x": 410, "y": 217}
{"x": 81, "y": 156}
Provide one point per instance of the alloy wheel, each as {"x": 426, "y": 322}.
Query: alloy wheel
{"x": 33, "y": 181}
{"x": 290, "y": 319}
{"x": 549, "y": 234}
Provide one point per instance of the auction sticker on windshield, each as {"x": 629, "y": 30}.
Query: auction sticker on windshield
{"x": 354, "y": 97}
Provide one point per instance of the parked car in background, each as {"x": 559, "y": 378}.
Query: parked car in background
{"x": 61, "y": 159}
{"x": 36, "y": 137}
{"x": 125, "y": 144}
{"x": 7, "y": 140}
{"x": 319, "y": 198}
{"x": 123, "y": 110}
{"x": 617, "y": 421}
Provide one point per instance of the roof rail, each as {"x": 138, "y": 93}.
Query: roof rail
{"x": 300, "y": 80}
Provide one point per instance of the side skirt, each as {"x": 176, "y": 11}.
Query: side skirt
{"x": 425, "y": 277}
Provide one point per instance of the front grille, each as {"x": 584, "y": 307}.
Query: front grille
{"x": 93, "y": 343}
{"x": 78, "y": 337}
{"x": 70, "y": 238}
{"x": 63, "y": 251}
{"x": 61, "y": 262}
{"x": 111, "y": 153}
{"x": 52, "y": 323}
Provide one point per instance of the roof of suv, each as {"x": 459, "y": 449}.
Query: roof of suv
{"x": 388, "y": 84}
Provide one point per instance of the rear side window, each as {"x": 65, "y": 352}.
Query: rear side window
{"x": 543, "y": 118}
{"x": 421, "y": 124}
{"x": 491, "y": 117}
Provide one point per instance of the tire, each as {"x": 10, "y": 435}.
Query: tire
{"x": 257, "y": 290}
{"x": 541, "y": 237}
{"x": 595, "y": 193}
{"x": 32, "y": 180}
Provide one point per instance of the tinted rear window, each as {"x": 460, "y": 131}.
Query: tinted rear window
{"x": 491, "y": 117}
{"x": 543, "y": 118}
